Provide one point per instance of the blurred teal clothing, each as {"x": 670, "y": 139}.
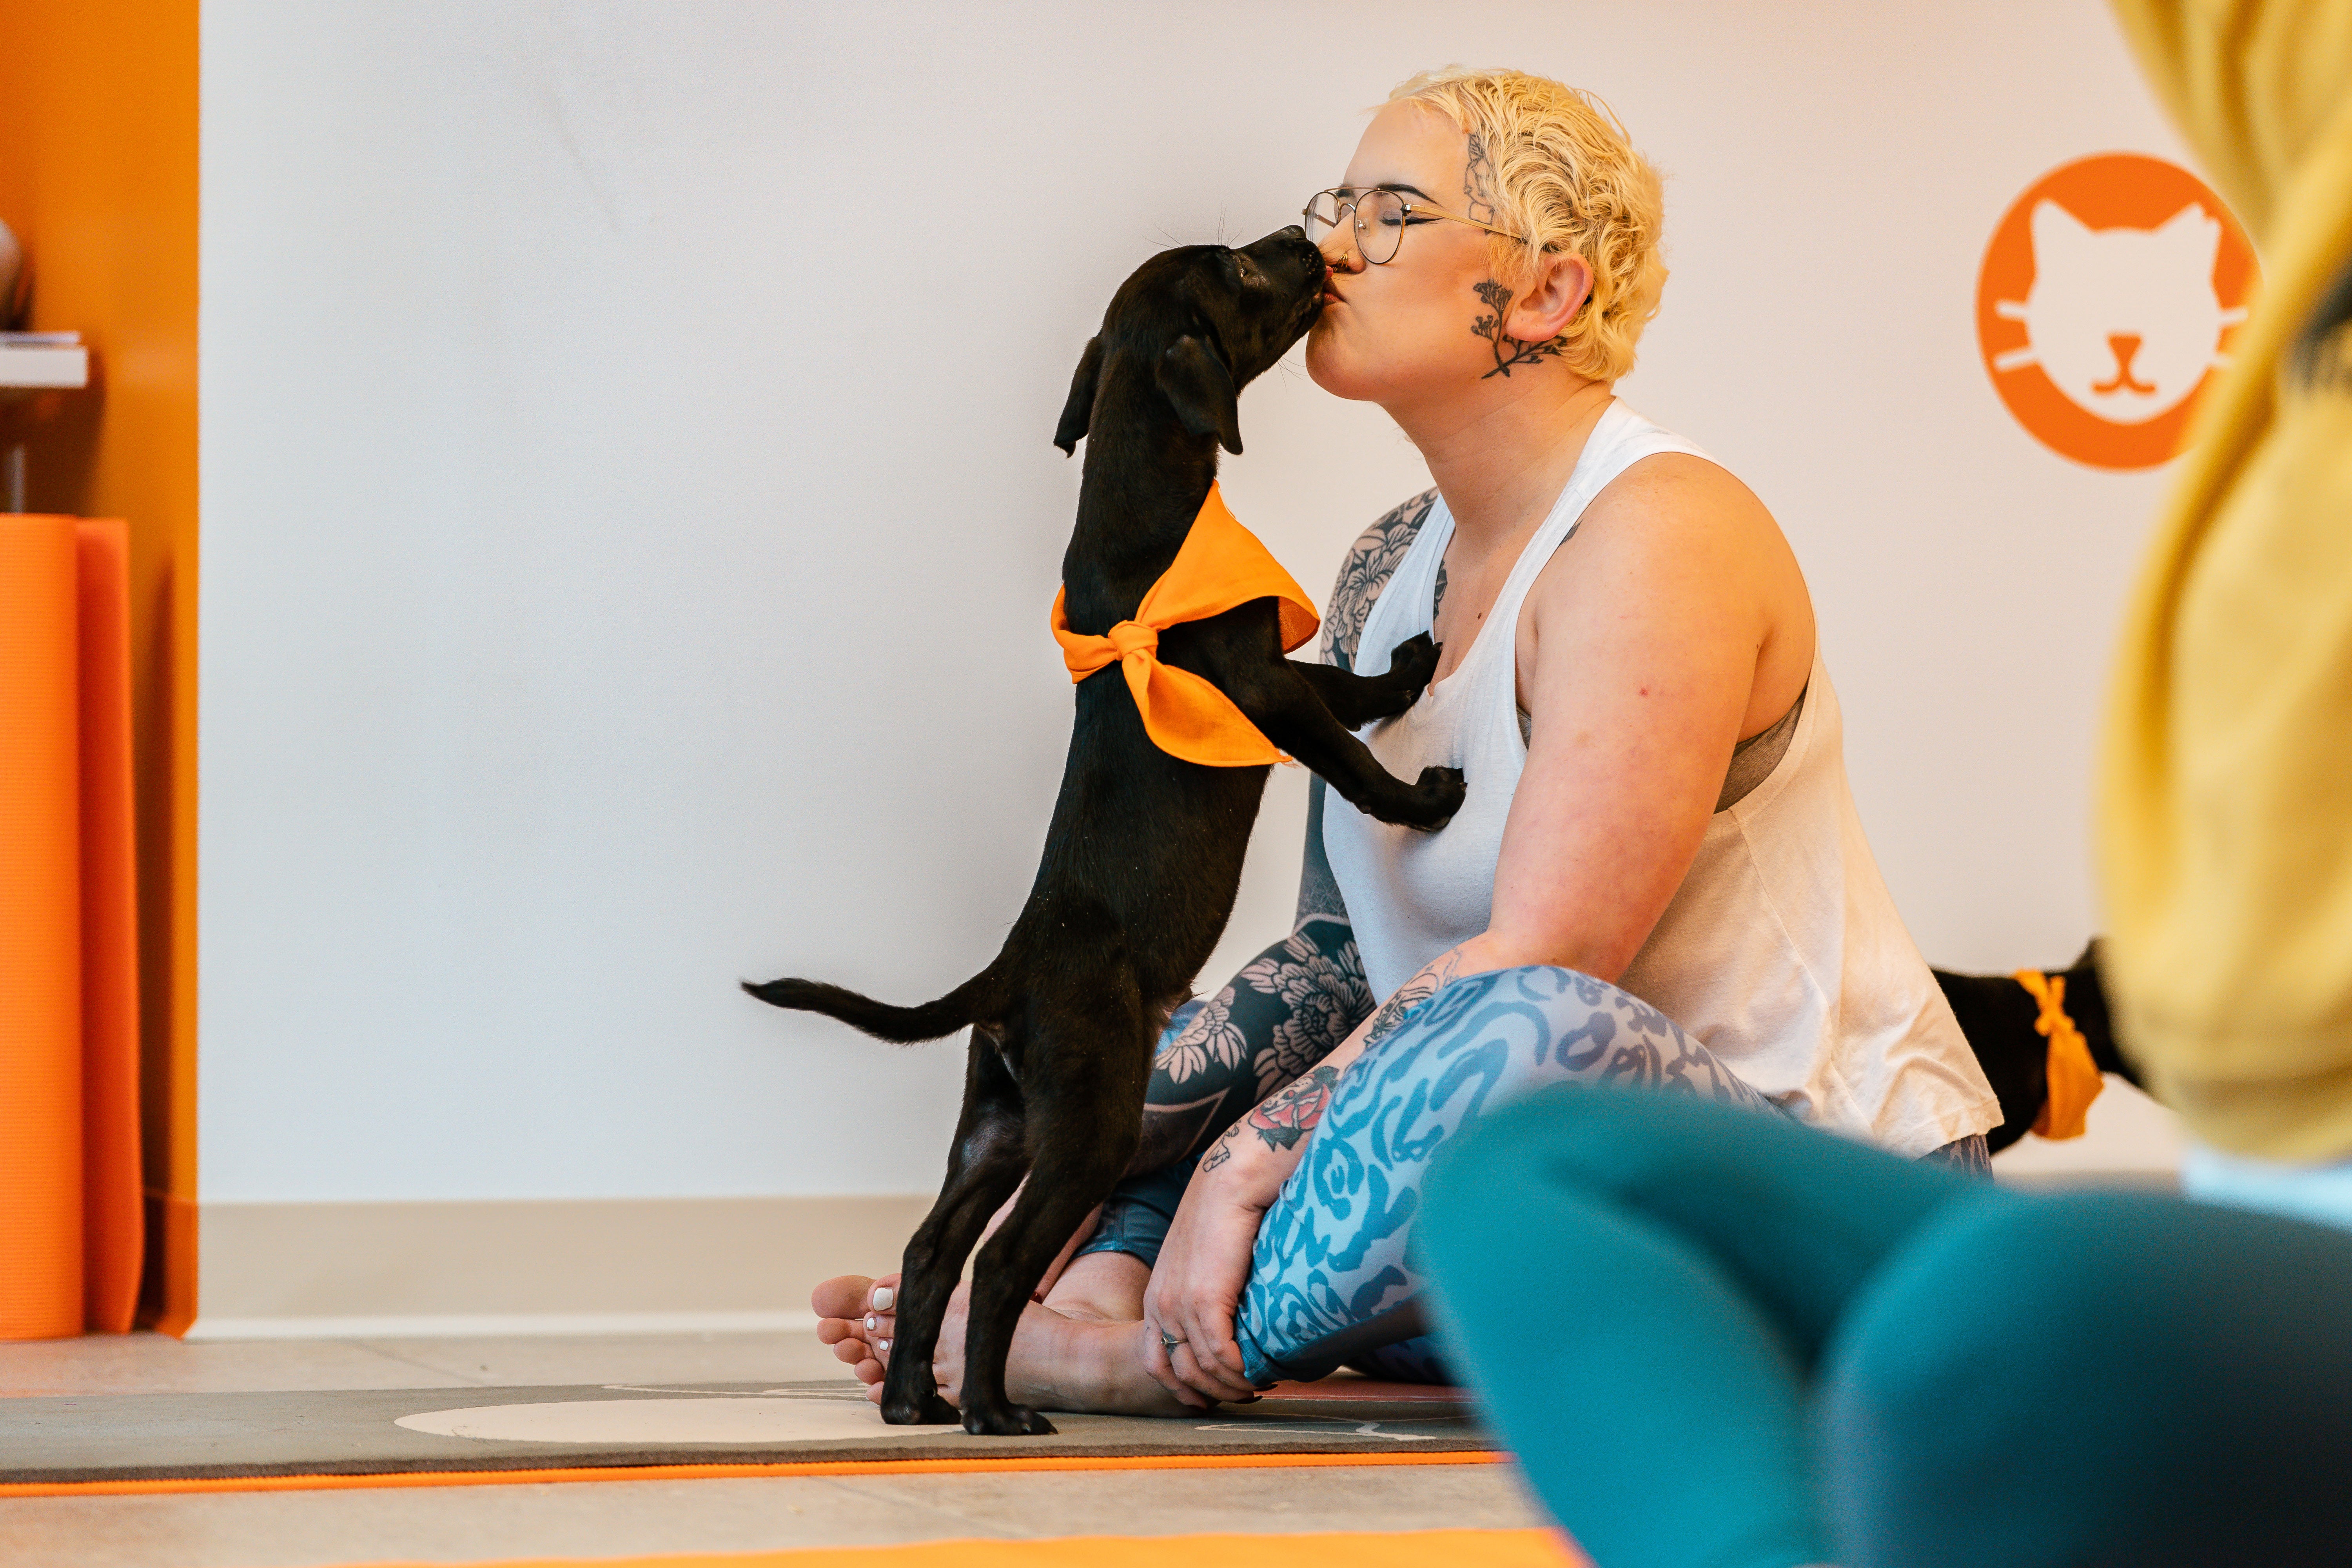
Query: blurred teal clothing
{"x": 1719, "y": 1340}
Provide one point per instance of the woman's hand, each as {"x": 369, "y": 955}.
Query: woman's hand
{"x": 1196, "y": 1286}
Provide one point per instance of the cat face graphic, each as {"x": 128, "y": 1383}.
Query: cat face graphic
{"x": 2124, "y": 322}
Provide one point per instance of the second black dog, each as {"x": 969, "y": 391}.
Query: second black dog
{"x": 1144, "y": 854}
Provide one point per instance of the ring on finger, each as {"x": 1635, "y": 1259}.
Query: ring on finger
{"x": 1169, "y": 1342}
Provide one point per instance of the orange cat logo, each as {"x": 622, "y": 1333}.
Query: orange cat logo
{"x": 2110, "y": 294}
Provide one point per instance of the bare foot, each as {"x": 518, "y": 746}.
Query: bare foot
{"x": 1061, "y": 1361}
{"x": 855, "y": 1315}
{"x": 1081, "y": 1349}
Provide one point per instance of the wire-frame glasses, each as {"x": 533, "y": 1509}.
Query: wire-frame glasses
{"x": 1380, "y": 218}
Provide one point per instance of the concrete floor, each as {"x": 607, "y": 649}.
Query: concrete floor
{"x": 619, "y": 1518}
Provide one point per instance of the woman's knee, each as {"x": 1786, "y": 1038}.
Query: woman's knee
{"x": 1602, "y": 1141}
{"x": 1510, "y": 1031}
{"x": 1332, "y": 1251}
{"x": 2179, "y": 1367}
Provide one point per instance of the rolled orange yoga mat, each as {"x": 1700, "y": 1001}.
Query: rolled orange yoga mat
{"x": 70, "y": 1219}
{"x": 40, "y": 932}
{"x": 113, "y": 1223}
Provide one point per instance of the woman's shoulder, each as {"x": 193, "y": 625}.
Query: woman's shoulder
{"x": 1372, "y": 561}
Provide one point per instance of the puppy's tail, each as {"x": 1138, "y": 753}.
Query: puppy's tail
{"x": 974, "y": 1001}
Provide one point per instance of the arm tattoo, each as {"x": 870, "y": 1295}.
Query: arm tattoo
{"x": 1318, "y": 889}
{"x": 1511, "y": 353}
{"x": 1371, "y": 562}
{"x": 1410, "y": 996}
{"x": 1283, "y": 1119}
{"x": 1478, "y": 183}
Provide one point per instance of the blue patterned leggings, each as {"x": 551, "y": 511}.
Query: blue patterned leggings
{"x": 1331, "y": 1283}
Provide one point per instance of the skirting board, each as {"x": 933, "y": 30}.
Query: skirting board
{"x": 347, "y": 1270}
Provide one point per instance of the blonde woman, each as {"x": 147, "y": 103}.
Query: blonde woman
{"x": 1657, "y": 876}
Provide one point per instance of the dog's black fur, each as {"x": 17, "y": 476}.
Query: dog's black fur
{"x": 1144, "y": 855}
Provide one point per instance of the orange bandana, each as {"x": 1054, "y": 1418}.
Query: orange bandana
{"x": 1219, "y": 565}
{"x": 2075, "y": 1079}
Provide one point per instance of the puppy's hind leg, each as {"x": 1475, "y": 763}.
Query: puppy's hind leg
{"x": 987, "y": 1161}
{"x": 1085, "y": 1117}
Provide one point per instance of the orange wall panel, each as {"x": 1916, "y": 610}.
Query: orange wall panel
{"x": 99, "y": 180}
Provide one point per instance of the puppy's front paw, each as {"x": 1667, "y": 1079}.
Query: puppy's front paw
{"x": 1412, "y": 661}
{"x": 928, "y": 1410}
{"x": 1008, "y": 1421}
{"x": 1437, "y": 795}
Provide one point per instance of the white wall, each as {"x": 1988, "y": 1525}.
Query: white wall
{"x": 629, "y": 514}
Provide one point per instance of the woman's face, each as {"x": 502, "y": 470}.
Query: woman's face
{"x": 1403, "y": 331}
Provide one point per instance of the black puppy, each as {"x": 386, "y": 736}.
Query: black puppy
{"x": 1144, "y": 855}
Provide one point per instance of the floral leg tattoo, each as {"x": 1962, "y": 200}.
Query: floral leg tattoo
{"x": 1287, "y": 1009}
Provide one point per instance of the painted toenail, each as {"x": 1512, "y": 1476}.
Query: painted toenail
{"x": 883, "y": 1297}
{"x": 872, "y": 1322}
{"x": 884, "y": 1345}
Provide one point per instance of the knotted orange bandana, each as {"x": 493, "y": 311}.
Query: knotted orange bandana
{"x": 2075, "y": 1079}
{"x": 1220, "y": 564}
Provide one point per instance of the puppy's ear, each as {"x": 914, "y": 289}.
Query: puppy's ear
{"x": 1197, "y": 382}
{"x": 1079, "y": 411}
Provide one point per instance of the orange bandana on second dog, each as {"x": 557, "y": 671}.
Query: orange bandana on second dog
{"x": 1220, "y": 564}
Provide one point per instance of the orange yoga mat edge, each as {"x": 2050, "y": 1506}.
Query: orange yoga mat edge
{"x": 114, "y": 1243}
{"x": 407, "y": 1478}
{"x": 1469, "y": 1548}
{"x": 40, "y": 934}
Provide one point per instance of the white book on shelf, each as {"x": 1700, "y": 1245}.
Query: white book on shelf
{"x": 43, "y": 364}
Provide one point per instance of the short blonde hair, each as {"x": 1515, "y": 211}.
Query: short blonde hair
{"x": 1561, "y": 172}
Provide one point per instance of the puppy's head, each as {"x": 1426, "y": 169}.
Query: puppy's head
{"x": 1190, "y": 329}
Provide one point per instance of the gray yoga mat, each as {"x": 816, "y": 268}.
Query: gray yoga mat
{"x": 157, "y": 1437}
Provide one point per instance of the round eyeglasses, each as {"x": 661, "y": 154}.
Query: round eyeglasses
{"x": 1380, "y": 218}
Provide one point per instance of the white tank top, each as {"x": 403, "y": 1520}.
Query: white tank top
{"x": 1781, "y": 952}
